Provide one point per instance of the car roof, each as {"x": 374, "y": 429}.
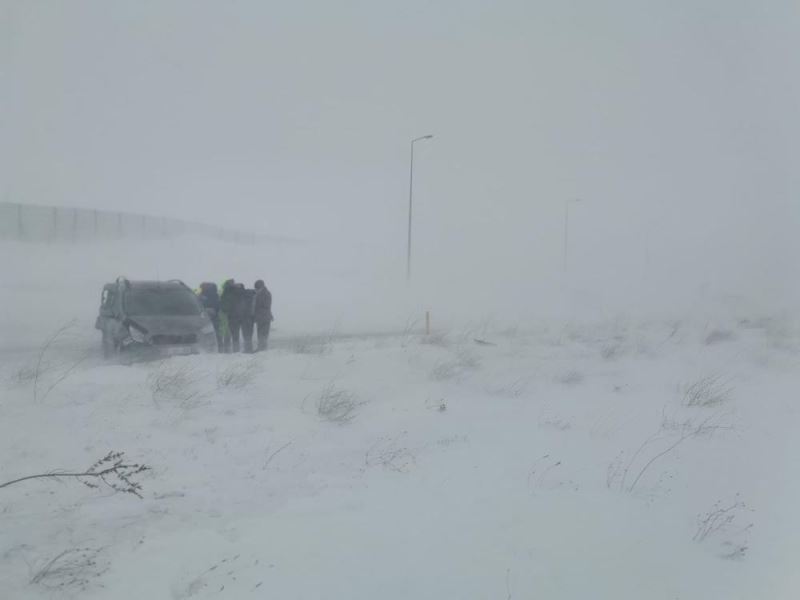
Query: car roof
{"x": 157, "y": 285}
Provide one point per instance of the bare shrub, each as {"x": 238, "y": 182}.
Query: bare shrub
{"x": 657, "y": 446}
{"x": 22, "y": 375}
{"x": 72, "y": 570}
{"x": 674, "y": 327}
{"x": 674, "y": 423}
{"x": 734, "y": 550}
{"x": 511, "y": 389}
{"x": 480, "y": 329}
{"x": 452, "y": 440}
{"x": 707, "y": 391}
{"x": 543, "y": 475}
{"x": 40, "y": 361}
{"x": 462, "y": 362}
{"x": 614, "y": 471}
{"x": 717, "y": 336}
{"x": 440, "y": 406}
{"x": 437, "y": 338}
{"x": 409, "y": 330}
{"x": 271, "y": 455}
{"x": 64, "y": 372}
{"x": 721, "y": 522}
{"x": 239, "y": 375}
{"x": 571, "y": 332}
{"x": 718, "y": 519}
{"x": 555, "y": 423}
{"x": 111, "y": 471}
{"x": 611, "y": 350}
{"x": 467, "y": 360}
{"x": 550, "y": 419}
{"x": 388, "y": 453}
{"x": 780, "y": 335}
{"x": 44, "y": 372}
{"x": 318, "y": 345}
{"x": 306, "y": 346}
{"x": 336, "y": 405}
{"x": 174, "y": 381}
{"x": 571, "y": 378}
{"x": 445, "y": 370}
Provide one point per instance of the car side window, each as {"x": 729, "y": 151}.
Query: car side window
{"x": 107, "y": 301}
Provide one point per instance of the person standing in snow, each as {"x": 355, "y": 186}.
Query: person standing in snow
{"x": 243, "y": 310}
{"x": 262, "y": 313}
{"x": 209, "y": 298}
{"x": 237, "y": 314}
{"x": 226, "y": 305}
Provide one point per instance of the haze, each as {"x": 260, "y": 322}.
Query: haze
{"x": 586, "y": 386}
{"x": 674, "y": 123}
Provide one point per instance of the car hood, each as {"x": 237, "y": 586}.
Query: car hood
{"x": 169, "y": 325}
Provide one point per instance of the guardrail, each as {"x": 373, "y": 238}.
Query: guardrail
{"x": 39, "y": 223}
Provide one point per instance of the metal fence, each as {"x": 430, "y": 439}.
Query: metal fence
{"x": 37, "y": 223}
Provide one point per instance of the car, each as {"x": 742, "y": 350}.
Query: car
{"x": 152, "y": 318}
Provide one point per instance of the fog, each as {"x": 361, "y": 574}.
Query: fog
{"x": 674, "y": 123}
{"x": 584, "y": 388}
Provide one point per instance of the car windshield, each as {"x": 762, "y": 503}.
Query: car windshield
{"x": 166, "y": 302}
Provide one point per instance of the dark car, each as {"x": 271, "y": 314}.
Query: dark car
{"x": 160, "y": 318}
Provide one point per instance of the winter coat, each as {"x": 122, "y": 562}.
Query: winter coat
{"x": 209, "y": 298}
{"x": 227, "y": 300}
{"x": 243, "y": 302}
{"x": 262, "y": 305}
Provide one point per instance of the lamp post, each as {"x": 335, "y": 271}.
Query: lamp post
{"x": 411, "y": 201}
{"x": 566, "y": 228}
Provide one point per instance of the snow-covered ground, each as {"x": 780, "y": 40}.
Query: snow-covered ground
{"x": 573, "y": 454}
{"x": 411, "y": 466}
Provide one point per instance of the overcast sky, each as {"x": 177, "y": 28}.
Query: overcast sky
{"x": 676, "y": 122}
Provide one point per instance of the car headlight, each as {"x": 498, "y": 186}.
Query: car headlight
{"x": 207, "y": 329}
{"x": 137, "y": 335}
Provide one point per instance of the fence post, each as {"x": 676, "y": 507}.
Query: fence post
{"x": 55, "y": 222}
{"x": 119, "y": 225}
{"x": 74, "y": 225}
{"x": 20, "y": 227}
{"x": 95, "y": 223}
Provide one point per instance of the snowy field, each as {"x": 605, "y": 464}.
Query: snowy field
{"x": 617, "y": 460}
{"x": 600, "y": 457}
{"x": 535, "y": 279}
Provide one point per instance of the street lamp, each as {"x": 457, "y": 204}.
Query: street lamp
{"x": 566, "y": 228}
{"x": 410, "y": 202}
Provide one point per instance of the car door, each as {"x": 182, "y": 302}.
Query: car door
{"x": 105, "y": 312}
{"x": 117, "y": 329}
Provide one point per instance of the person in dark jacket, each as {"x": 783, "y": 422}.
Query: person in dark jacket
{"x": 262, "y": 313}
{"x": 237, "y": 315}
{"x": 227, "y": 319}
{"x": 209, "y": 298}
{"x": 243, "y": 313}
